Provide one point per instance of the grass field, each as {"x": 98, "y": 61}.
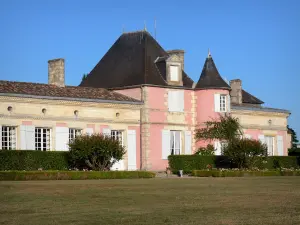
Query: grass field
{"x": 258, "y": 200}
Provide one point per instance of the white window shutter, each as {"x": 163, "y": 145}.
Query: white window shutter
{"x": 131, "y": 149}
{"x": 228, "y": 103}
{"x": 165, "y": 144}
{"x": 280, "y": 145}
{"x": 188, "y": 142}
{"x": 89, "y": 131}
{"x": 217, "y": 102}
{"x": 23, "y": 137}
{"x": 27, "y": 137}
{"x": 180, "y": 100}
{"x": 62, "y": 139}
{"x": 261, "y": 138}
{"x": 106, "y": 131}
{"x": 171, "y": 101}
{"x": 217, "y": 147}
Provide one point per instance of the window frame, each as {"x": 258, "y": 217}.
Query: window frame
{"x": 10, "y": 144}
{"x": 73, "y": 133}
{"x": 175, "y": 150}
{"x": 43, "y": 130}
{"x": 172, "y": 69}
{"x": 223, "y": 103}
{"x": 117, "y": 134}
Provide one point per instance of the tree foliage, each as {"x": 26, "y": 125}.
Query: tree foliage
{"x": 226, "y": 128}
{"x": 97, "y": 152}
{"x": 294, "y": 137}
{"x": 206, "y": 151}
{"x": 243, "y": 152}
{"x": 84, "y": 76}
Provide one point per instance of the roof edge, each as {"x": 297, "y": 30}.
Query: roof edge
{"x": 263, "y": 109}
{"x": 72, "y": 99}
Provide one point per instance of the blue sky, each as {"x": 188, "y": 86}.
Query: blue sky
{"x": 256, "y": 41}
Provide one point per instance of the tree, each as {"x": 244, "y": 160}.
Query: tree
{"x": 84, "y": 76}
{"x": 242, "y": 152}
{"x": 226, "y": 128}
{"x": 294, "y": 137}
{"x": 97, "y": 152}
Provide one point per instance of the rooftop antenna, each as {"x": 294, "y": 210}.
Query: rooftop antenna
{"x": 155, "y": 28}
{"x": 145, "y": 28}
{"x": 123, "y": 29}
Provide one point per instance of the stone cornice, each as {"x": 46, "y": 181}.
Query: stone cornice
{"x": 69, "y": 119}
{"x": 69, "y": 103}
{"x": 259, "y": 113}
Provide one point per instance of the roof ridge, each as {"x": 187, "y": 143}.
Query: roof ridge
{"x": 137, "y": 31}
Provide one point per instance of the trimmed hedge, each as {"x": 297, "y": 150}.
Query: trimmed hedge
{"x": 73, "y": 175}
{"x": 240, "y": 173}
{"x": 188, "y": 163}
{"x": 33, "y": 160}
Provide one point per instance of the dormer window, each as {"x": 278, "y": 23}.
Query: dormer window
{"x": 174, "y": 74}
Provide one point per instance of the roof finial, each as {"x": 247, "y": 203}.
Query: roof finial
{"x": 145, "y": 28}
{"x": 209, "y": 54}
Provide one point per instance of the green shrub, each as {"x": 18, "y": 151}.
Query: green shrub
{"x": 33, "y": 160}
{"x": 188, "y": 163}
{"x": 241, "y": 173}
{"x": 73, "y": 175}
{"x": 245, "y": 152}
{"x": 209, "y": 150}
{"x": 97, "y": 152}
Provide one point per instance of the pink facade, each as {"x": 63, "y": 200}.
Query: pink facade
{"x": 206, "y": 109}
{"x": 131, "y": 92}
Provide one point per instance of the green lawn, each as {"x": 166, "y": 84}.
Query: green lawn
{"x": 258, "y": 200}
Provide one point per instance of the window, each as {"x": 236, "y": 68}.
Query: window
{"x": 8, "y": 138}
{"x": 74, "y": 133}
{"x": 42, "y": 139}
{"x": 175, "y": 143}
{"x": 176, "y": 101}
{"x": 269, "y": 140}
{"x": 117, "y": 135}
{"x": 174, "y": 76}
{"x": 223, "y": 103}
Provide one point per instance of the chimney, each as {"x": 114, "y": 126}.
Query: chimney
{"x": 56, "y": 72}
{"x": 236, "y": 91}
{"x": 180, "y": 54}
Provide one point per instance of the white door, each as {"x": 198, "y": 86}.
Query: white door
{"x": 269, "y": 140}
{"x": 131, "y": 149}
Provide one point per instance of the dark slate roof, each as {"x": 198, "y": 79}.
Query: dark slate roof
{"x": 131, "y": 61}
{"x": 250, "y": 99}
{"x": 210, "y": 77}
{"x": 37, "y": 89}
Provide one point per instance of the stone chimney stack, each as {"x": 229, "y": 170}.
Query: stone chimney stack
{"x": 236, "y": 91}
{"x": 56, "y": 72}
{"x": 180, "y": 54}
